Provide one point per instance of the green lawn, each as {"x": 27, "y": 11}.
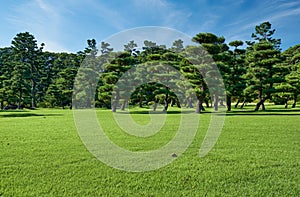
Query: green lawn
{"x": 257, "y": 154}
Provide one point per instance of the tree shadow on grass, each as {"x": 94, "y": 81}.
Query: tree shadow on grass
{"x": 245, "y": 112}
{"x": 262, "y": 114}
{"x": 155, "y": 112}
{"x": 267, "y": 110}
{"x": 21, "y": 115}
{"x": 270, "y": 112}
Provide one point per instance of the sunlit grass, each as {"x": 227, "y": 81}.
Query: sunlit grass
{"x": 257, "y": 154}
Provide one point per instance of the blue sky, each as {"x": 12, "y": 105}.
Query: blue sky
{"x": 65, "y": 25}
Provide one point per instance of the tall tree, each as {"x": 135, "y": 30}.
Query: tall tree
{"x": 104, "y": 46}
{"x": 196, "y": 70}
{"x": 235, "y": 83}
{"x": 218, "y": 50}
{"x": 177, "y": 46}
{"x": 290, "y": 88}
{"x": 59, "y": 92}
{"x": 131, "y": 48}
{"x": 6, "y": 69}
{"x": 123, "y": 62}
{"x": 87, "y": 76}
{"x": 263, "y": 56}
{"x": 26, "y": 53}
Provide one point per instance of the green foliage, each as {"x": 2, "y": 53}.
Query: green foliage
{"x": 290, "y": 87}
{"x": 26, "y": 56}
{"x": 29, "y": 76}
{"x": 263, "y": 32}
{"x": 217, "y": 50}
{"x": 263, "y": 58}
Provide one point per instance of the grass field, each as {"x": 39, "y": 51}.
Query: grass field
{"x": 257, "y": 154}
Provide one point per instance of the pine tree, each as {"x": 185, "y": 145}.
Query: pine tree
{"x": 235, "y": 83}
{"x": 6, "y": 68}
{"x": 263, "y": 56}
{"x": 218, "y": 50}
{"x": 290, "y": 88}
{"x": 26, "y": 55}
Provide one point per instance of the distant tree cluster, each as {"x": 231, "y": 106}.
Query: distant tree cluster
{"x": 259, "y": 72}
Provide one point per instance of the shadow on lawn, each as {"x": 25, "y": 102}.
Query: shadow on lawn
{"x": 21, "y": 115}
{"x": 267, "y": 110}
{"x": 155, "y": 112}
{"x": 270, "y": 112}
{"x": 261, "y": 114}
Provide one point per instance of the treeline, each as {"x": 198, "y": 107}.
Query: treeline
{"x": 255, "y": 71}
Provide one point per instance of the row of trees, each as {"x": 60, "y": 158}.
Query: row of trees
{"x": 258, "y": 72}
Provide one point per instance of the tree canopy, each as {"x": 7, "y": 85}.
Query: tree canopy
{"x": 259, "y": 72}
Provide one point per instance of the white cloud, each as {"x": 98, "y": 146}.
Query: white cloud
{"x": 110, "y": 15}
{"x": 159, "y": 35}
{"x": 150, "y": 4}
{"x": 53, "y": 46}
{"x": 285, "y": 13}
{"x": 47, "y": 8}
{"x": 276, "y": 12}
{"x": 42, "y": 20}
{"x": 165, "y": 12}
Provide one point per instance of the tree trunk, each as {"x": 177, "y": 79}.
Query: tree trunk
{"x": 172, "y": 103}
{"x": 222, "y": 103}
{"x": 216, "y": 103}
{"x": 263, "y": 106}
{"x": 198, "y": 106}
{"x": 116, "y": 102}
{"x": 260, "y": 104}
{"x": 189, "y": 103}
{"x": 141, "y": 102}
{"x": 286, "y": 103}
{"x": 2, "y": 103}
{"x": 178, "y": 103}
{"x": 20, "y": 100}
{"x": 228, "y": 103}
{"x": 295, "y": 101}
{"x": 155, "y": 106}
{"x": 206, "y": 103}
{"x": 114, "y": 108}
{"x": 201, "y": 106}
{"x": 33, "y": 101}
{"x": 237, "y": 103}
{"x": 166, "y": 100}
{"x": 243, "y": 104}
{"x": 123, "y": 105}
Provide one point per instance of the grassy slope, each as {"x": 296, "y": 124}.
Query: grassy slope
{"x": 257, "y": 155}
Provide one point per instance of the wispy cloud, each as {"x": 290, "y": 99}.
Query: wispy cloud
{"x": 165, "y": 13}
{"x": 276, "y": 12}
{"x": 48, "y": 9}
{"x": 41, "y": 19}
{"x": 67, "y": 24}
{"x": 108, "y": 14}
{"x": 151, "y": 4}
{"x": 285, "y": 13}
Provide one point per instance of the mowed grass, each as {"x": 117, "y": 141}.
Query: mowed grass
{"x": 257, "y": 154}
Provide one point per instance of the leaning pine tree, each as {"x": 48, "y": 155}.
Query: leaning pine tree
{"x": 216, "y": 47}
{"x": 263, "y": 58}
